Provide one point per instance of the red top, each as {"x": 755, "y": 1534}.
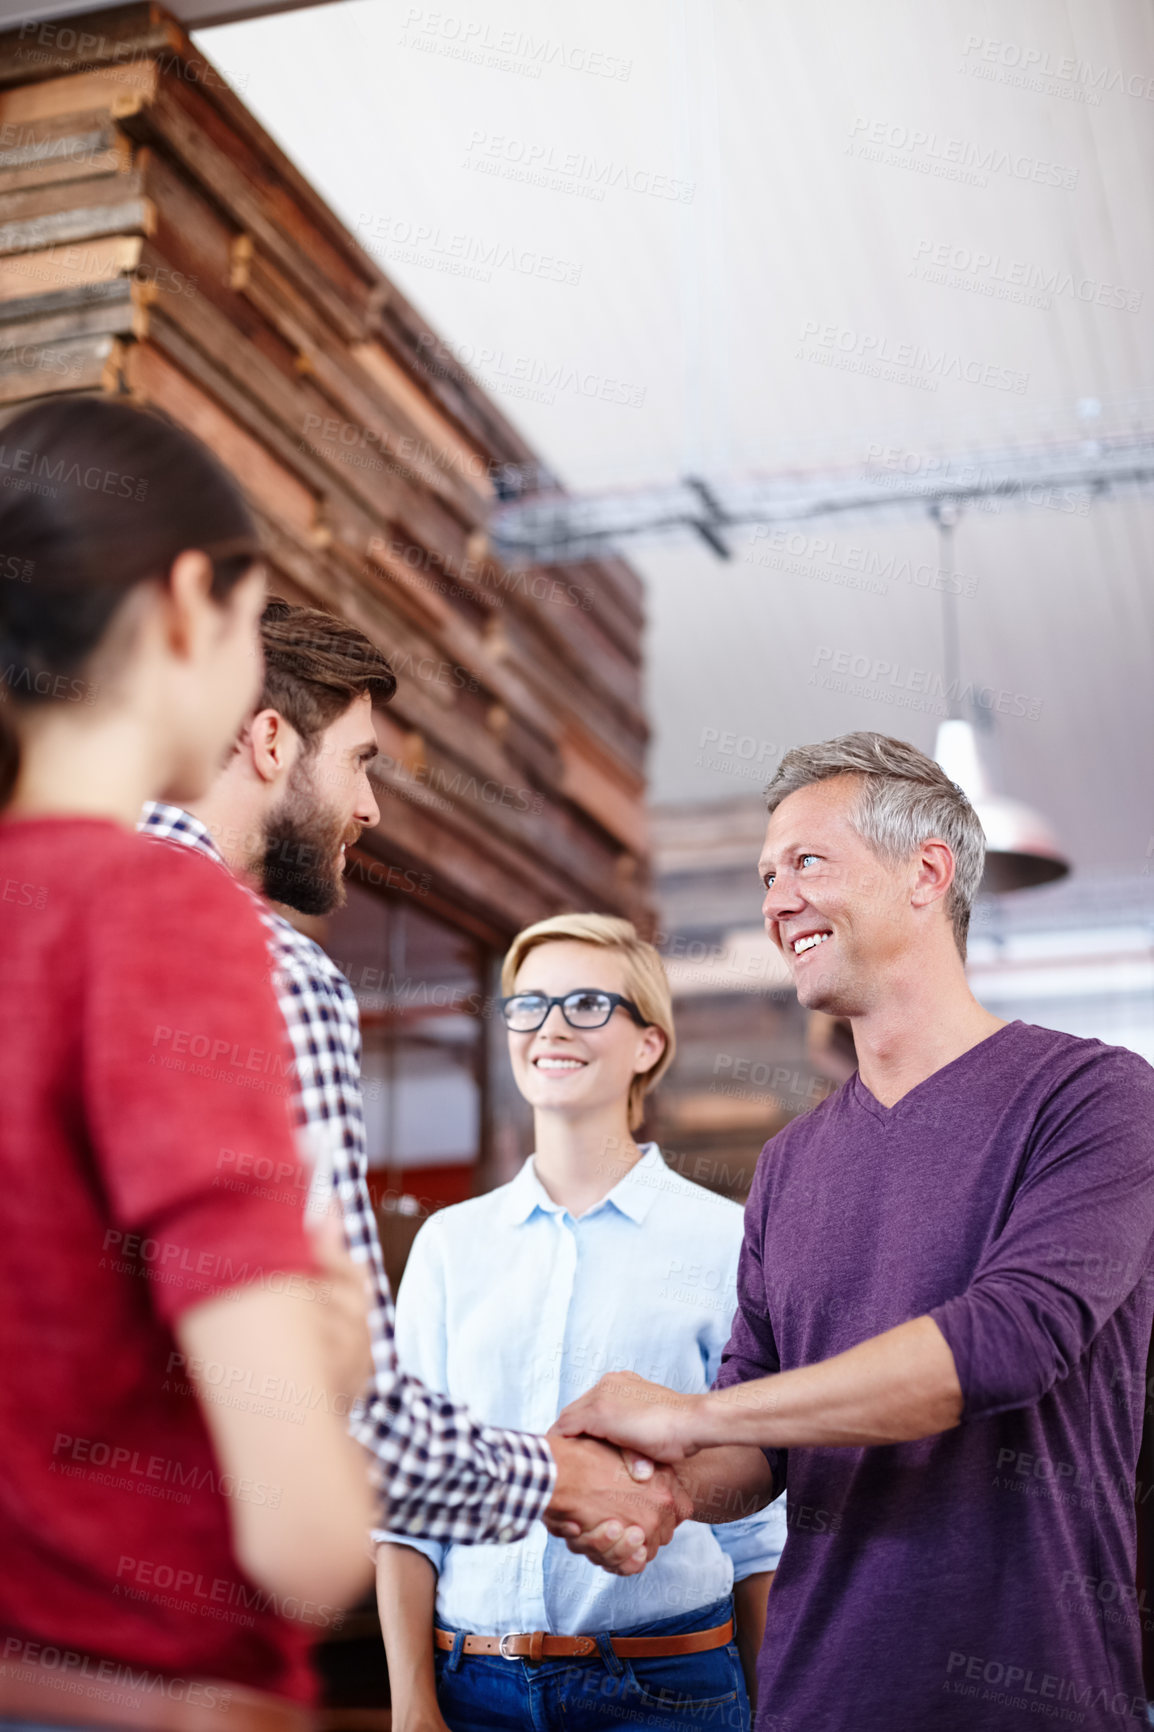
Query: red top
{"x": 142, "y": 1058}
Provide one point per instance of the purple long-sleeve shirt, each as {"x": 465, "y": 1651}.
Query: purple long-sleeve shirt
{"x": 983, "y": 1578}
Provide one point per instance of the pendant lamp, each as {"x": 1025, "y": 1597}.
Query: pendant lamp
{"x": 1021, "y": 849}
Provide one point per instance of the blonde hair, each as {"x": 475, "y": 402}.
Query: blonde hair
{"x": 645, "y": 981}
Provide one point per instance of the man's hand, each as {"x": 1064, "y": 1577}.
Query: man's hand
{"x": 599, "y": 1542}
{"x": 626, "y": 1410}
{"x": 604, "y": 1513}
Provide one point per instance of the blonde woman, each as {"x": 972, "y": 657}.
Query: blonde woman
{"x": 597, "y": 1256}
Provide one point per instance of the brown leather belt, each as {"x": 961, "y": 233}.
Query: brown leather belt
{"x": 537, "y": 1645}
{"x": 81, "y": 1690}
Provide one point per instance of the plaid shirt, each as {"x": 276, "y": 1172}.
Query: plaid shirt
{"x": 444, "y": 1475}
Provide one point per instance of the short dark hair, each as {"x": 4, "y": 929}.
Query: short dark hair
{"x": 315, "y": 666}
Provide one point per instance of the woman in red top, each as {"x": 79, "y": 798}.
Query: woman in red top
{"x": 181, "y": 1510}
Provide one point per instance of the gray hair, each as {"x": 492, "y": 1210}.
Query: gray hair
{"x": 904, "y": 799}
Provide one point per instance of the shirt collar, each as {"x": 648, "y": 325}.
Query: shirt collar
{"x": 632, "y": 1196}
{"x": 173, "y": 824}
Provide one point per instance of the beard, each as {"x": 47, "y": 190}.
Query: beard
{"x": 302, "y": 865}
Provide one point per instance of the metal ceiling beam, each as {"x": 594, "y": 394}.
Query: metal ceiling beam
{"x": 546, "y": 526}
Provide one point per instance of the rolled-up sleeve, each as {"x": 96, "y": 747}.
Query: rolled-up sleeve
{"x": 1075, "y": 1243}
{"x": 755, "y": 1543}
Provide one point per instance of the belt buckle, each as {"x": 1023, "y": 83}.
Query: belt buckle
{"x": 507, "y": 1637}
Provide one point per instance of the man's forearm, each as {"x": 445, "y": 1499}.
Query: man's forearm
{"x": 894, "y": 1388}
{"x": 728, "y": 1483}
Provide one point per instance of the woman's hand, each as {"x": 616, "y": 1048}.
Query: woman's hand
{"x": 423, "y": 1719}
{"x": 406, "y": 1601}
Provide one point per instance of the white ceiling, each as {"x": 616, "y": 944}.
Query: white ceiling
{"x": 698, "y": 332}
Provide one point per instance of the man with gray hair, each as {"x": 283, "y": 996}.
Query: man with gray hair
{"x": 944, "y": 1304}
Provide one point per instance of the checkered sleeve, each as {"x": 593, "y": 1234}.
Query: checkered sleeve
{"x": 442, "y": 1475}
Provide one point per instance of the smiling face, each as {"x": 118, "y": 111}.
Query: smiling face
{"x": 579, "y": 1071}
{"x": 842, "y": 917}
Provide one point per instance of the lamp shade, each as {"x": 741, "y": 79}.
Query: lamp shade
{"x": 1021, "y": 849}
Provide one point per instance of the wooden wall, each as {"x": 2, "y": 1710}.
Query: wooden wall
{"x": 154, "y": 241}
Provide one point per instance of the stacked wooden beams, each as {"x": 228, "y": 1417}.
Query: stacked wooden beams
{"x": 155, "y": 241}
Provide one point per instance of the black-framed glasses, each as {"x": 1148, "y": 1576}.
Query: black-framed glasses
{"x": 587, "y": 1007}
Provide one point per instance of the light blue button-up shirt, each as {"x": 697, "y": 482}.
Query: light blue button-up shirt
{"x": 514, "y": 1307}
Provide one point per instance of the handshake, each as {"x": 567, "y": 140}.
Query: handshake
{"x": 618, "y": 1505}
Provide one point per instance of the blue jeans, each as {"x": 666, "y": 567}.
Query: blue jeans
{"x": 673, "y": 1693}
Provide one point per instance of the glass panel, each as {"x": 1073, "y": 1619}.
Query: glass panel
{"x": 419, "y": 983}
